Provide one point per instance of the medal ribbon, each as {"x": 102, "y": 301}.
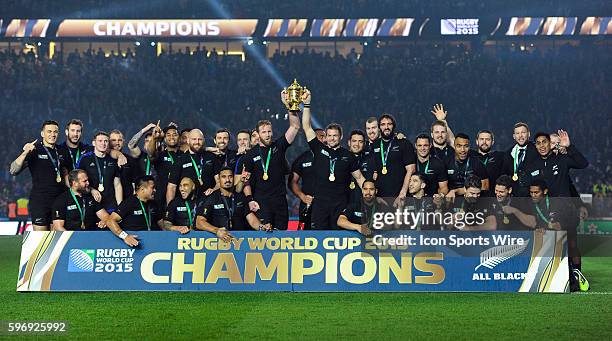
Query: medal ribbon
{"x": 81, "y": 210}
{"x": 547, "y": 209}
{"x": 78, "y": 156}
{"x": 147, "y": 215}
{"x": 383, "y": 155}
{"x": 189, "y": 212}
{"x": 230, "y": 209}
{"x": 197, "y": 169}
{"x": 267, "y": 165}
{"x": 100, "y": 172}
{"x": 54, "y": 162}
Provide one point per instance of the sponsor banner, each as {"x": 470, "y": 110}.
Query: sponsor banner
{"x": 11, "y": 228}
{"x": 22, "y": 28}
{"x": 157, "y": 28}
{"x": 558, "y": 26}
{"x": 595, "y": 227}
{"x": 285, "y": 28}
{"x": 327, "y": 27}
{"x": 289, "y": 261}
{"x": 360, "y": 27}
{"x": 596, "y": 26}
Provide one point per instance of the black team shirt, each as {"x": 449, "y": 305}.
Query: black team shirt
{"x": 434, "y": 172}
{"x": 133, "y": 216}
{"x": 254, "y": 163}
{"x": 186, "y": 164}
{"x": 217, "y": 209}
{"x": 65, "y": 208}
{"x": 399, "y": 154}
{"x": 302, "y": 166}
{"x": 343, "y": 163}
{"x": 73, "y": 155}
{"x": 108, "y": 169}
{"x": 180, "y": 211}
{"x": 458, "y": 171}
{"x": 43, "y": 171}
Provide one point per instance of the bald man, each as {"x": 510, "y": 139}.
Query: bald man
{"x": 196, "y": 164}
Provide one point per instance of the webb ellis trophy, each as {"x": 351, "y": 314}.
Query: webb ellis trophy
{"x": 293, "y": 95}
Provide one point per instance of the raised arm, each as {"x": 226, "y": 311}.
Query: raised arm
{"x": 440, "y": 114}
{"x": 17, "y": 165}
{"x": 133, "y": 144}
{"x": 294, "y": 121}
{"x": 308, "y": 131}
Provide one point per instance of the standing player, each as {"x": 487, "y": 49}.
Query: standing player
{"x": 73, "y": 148}
{"x": 333, "y": 167}
{"x": 554, "y": 168}
{"x": 517, "y": 159}
{"x": 431, "y": 168}
{"x": 164, "y": 156}
{"x": 127, "y": 170}
{"x": 442, "y": 135}
{"x": 462, "y": 166}
{"x": 302, "y": 169}
{"x": 224, "y": 156}
{"x": 372, "y": 130}
{"x": 265, "y": 168}
{"x": 48, "y": 169}
{"x": 356, "y": 145}
{"x": 181, "y": 213}
{"x": 196, "y": 164}
{"x": 243, "y": 141}
{"x": 225, "y": 210}
{"x": 184, "y": 141}
{"x": 493, "y": 161}
{"x": 103, "y": 173}
{"x": 76, "y": 209}
{"x": 393, "y": 161}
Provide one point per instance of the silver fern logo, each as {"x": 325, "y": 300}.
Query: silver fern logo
{"x": 494, "y": 256}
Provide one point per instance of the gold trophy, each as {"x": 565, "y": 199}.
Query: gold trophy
{"x": 294, "y": 93}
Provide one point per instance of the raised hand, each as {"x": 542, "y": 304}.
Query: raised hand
{"x": 564, "y": 138}
{"x": 439, "y": 112}
{"x": 29, "y": 147}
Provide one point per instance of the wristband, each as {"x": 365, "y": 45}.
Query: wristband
{"x": 123, "y": 235}
{"x": 306, "y": 105}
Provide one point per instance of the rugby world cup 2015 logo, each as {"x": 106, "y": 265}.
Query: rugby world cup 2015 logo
{"x": 81, "y": 260}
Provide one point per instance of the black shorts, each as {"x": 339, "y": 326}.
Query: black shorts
{"x": 273, "y": 211}
{"x": 325, "y": 213}
{"x": 40, "y": 208}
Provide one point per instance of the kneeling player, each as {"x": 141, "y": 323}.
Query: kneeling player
{"x": 359, "y": 216}
{"x": 181, "y": 212}
{"x": 136, "y": 213}
{"x": 76, "y": 209}
{"x": 473, "y": 212}
{"x": 227, "y": 210}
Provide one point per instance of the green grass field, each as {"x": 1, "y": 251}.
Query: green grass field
{"x": 282, "y": 316}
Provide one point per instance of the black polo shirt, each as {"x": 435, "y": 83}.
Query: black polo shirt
{"x": 179, "y": 210}
{"x": 73, "y": 155}
{"x": 254, "y": 163}
{"x": 493, "y": 163}
{"x": 511, "y": 221}
{"x": 101, "y": 167}
{"x": 446, "y": 154}
{"x": 365, "y": 166}
{"x": 228, "y": 159}
{"x": 186, "y": 167}
{"x": 458, "y": 171}
{"x": 399, "y": 154}
{"x": 554, "y": 169}
{"x": 302, "y": 166}
{"x": 133, "y": 216}
{"x": 434, "y": 172}
{"x": 43, "y": 170}
{"x": 344, "y": 163}
{"x": 65, "y": 208}
{"x": 216, "y": 209}
{"x": 483, "y": 207}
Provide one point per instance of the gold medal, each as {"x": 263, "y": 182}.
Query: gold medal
{"x": 384, "y": 170}
{"x": 506, "y": 220}
{"x": 101, "y": 187}
{"x": 332, "y": 177}
{"x": 265, "y": 176}
{"x": 352, "y": 185}
{"x": 58, "y": 178}
{"x": 82, "y": 225}
{"x": 515, "y": 177}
